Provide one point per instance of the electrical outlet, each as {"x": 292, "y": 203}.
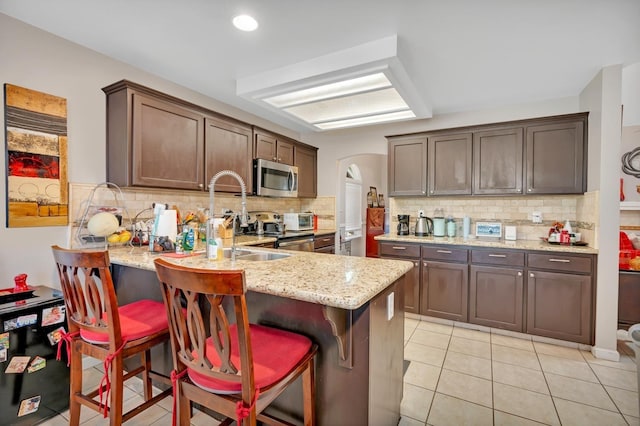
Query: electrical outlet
{"x": 420, "y": 213}
{"x": 390, "y": 306}
{"x": 536, "y": 217}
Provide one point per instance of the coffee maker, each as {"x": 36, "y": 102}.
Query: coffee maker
{"x": 403, "y": 224}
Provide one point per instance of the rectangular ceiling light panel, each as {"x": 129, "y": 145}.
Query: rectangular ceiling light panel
{"x": 370, "y": 119}
{"x": 331, "y": 90}
{"x": 353, "y": 106}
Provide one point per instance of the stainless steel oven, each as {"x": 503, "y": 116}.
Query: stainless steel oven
{"x": 300, "y": 241}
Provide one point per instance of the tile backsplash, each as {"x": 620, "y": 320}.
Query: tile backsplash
{"x": 515, "y": 211}
{"x": 138, "y": 202}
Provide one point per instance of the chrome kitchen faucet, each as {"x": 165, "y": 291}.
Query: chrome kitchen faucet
{"x": 243, "y": 215}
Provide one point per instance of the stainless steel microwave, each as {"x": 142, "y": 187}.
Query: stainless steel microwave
{"x": 273, "y": 179}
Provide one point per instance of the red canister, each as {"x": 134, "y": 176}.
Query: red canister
{"x": 565, "y": 238}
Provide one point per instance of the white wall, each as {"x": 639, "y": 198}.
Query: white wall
{"x": 631, "y": 95}
{"x": 602, "y": 97}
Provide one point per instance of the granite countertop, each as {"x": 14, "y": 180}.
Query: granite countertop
{"x": 346, "y": 282}
{"x": 324, "y": 231}
{"x": 499, "y": 243}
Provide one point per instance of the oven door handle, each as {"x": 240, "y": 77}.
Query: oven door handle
{"x": 294, "y": 242}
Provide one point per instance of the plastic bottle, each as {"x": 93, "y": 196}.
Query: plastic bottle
{"x": 220, "y": 246}
{"x": 466, "y": 226}
{"x": 188, "y": 240}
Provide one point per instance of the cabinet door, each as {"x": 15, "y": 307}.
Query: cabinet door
{"x": 228, "y": 147}
{"x": 559, "y": 306}
{"x": 445, "y": 290}
{"x": 265, "y": 146}
{"x": 555, "y": 158}
{"x": 411, "y": 285}
{"x": 496, "y": 297}
{"x": 306, "y": 160}
{"x": 407, "y": 166}
{"x": 284, "y": 152}
{"x": 168, "y": 143}
{"x": 497, "y": 161}
{"x": 628, "y": 296}
{"x": 450, "y": 164}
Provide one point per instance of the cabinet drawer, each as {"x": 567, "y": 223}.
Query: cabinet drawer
{"x": 560, "y": 262}
{"x": 498, "y": 257}
{"x": 321, "y": 241}
{"x": 399, "y": 250}
{"x": 445, "y": 253}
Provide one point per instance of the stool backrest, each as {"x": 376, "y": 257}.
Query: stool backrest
{"x": 194, "y": 301}
{"x": 89, "y": 295}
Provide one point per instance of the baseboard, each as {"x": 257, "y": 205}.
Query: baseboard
{"x": 607, "y": 354}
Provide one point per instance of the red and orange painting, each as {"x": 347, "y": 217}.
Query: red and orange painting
{"x": 36, "y": 153}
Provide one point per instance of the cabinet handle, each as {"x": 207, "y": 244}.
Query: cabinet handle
{"x": 560, "y": 260}
{"x": 398, "y": 248}
{"x": 432, "y": 191}
{"x": 444, "y": 251}
{"x": 326, "y": 239}
{"x": 497, "y": 255}
{"x": 425, "y": 264}
{"x": 416, "y": 264}
{"x": 531, "y": 275}
{"x": 275, "y": 158}
{"x": 519, "y": 273}
{"x": 200, "y": 185}
{"x": 279, "y": 160}
{"x": 518, "y": 189}
{"x": 529, "y": 189}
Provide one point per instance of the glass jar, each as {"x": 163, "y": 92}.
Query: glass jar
{"x": 451, "y": 227}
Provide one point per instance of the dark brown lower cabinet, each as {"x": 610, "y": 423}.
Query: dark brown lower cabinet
{"x": 496, "y": 297}
{"x": 410, "y": 252}
{"x": 445, "y": 290}
{"x": 559, "y": 306}
{"x": 628, "y": 299}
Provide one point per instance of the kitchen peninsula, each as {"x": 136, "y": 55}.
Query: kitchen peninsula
{"x": 350, "y": 306}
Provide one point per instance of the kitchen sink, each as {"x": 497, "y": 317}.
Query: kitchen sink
{"x": 246, "y": 254}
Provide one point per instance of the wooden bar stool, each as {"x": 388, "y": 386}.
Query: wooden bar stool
{"x": 234, "y": 369}
{"x": 101, "y": 329}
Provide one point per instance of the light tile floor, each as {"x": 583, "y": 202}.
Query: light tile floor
{"x": 461, "y": 376}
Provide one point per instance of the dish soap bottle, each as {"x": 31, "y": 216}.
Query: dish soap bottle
{"x": 567, "y": 227}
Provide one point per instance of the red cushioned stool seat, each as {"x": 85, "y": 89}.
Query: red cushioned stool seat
{"x": 137, "y": 320}
{"x": 275, "y": 353}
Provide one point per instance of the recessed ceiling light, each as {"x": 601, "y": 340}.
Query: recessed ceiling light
{"x": 245, "y": 23}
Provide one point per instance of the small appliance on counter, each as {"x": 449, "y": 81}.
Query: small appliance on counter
{"x": 424, "y": 226}
{"x": 438, "y": 223}
{"x": 403, "y": 224}
{"x": 298, "y": 221}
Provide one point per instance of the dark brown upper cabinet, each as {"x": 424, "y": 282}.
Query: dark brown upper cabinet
{"x": 556, "y": 158}
{"x": 497, "y": 161}
{"x": 228, "y": 146}
{"x": 536, "y": 156}
{"x": 159, "y": 141}
{"x": 407, "y": 165}
{"x": 450, "y": 164}
{"x": 269, "y": 146}
{"x": 305, "y": 158}
{"x": 152, "y": 142}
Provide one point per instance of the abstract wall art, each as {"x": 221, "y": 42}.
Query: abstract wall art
{"x": 36, "y": 158}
